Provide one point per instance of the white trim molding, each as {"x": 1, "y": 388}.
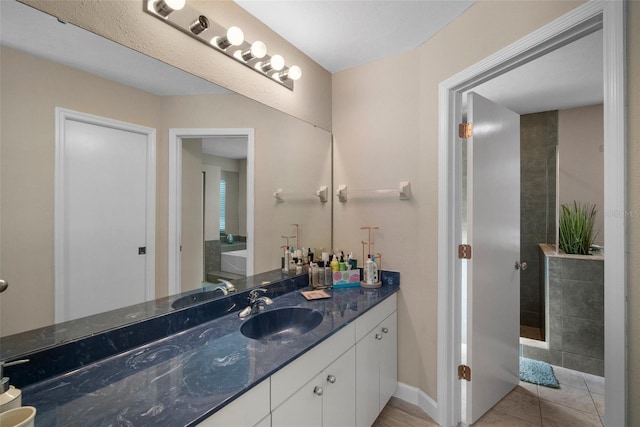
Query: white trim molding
{"x": 585, "y": 19}
{"x": 417, "y": 397}
{"x": 175, "y": 196}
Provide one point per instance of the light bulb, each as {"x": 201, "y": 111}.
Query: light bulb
{"x": 258, "y": 50}
{"x": 165, "y": 7}
{"x": 234, "y": 37}
{"x": 294, "y": 73}
{"x": 276, "y": 63}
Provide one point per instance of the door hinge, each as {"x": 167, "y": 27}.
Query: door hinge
{"x": 464, "y": 372}
{"x": 464, "y": 251}
{"x": 465, "y": 130}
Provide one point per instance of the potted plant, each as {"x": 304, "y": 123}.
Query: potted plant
{"x": 576, "y": 228}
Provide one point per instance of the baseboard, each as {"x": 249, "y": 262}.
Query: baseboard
{"x": 419, "y": 398}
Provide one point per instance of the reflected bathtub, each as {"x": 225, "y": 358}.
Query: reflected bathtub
{"x": 234, "y": 262}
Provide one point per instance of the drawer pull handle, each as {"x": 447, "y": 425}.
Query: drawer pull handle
{"x": 318, "y": 391}
{"x": 331, "y": 379}
{"x": 385, "y": 330}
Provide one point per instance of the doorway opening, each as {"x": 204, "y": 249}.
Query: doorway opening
{"x": 583, "y": 21}
{"x": 222, "y": 154}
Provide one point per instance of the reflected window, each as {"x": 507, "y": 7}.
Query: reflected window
{"x": 223, "y": 196}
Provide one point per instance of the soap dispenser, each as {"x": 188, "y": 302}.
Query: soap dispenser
{"x": 10, "y": 396}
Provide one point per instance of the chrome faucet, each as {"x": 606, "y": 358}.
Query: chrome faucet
{"x": 255, "y": 301}
{"x": 225, "y": 287}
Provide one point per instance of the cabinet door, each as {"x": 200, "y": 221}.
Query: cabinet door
{"x": 367, "y": 379}
{"x": 247, "y": 410}
{"x": 302, "y": 408}
{"x": 339, "y": 399}
{"x": 388, "y": 353}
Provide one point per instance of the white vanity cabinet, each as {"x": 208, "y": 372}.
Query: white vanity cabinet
{"x": 327, "y": 398}
{"x": 376, "y": 361}
{"x": 344, "y": 381}
{"x": 250, "y": 409}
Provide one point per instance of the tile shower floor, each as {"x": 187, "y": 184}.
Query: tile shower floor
{"x": 578, "y": 402}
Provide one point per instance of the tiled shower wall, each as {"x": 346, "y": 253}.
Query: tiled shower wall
{"x": 576, "y": 314}
{"x": 538, "y": 142}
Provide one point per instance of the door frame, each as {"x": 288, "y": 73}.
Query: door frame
{"x": 175, "y": 195}
{"x": 61, "y": 116}
{"x": 585, "y": 19}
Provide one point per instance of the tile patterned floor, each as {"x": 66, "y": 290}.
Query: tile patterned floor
{"x": 579, "y": 402}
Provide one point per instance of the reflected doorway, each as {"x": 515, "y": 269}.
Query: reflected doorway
{"x": 214, "y": 209}
{"x": 200, "y": 160}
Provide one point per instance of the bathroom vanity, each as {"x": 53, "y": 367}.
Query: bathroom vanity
{"x": 211, "y": 374}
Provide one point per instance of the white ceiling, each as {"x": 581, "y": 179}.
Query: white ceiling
{"x": 229, "y": 146}
{"x": 336, "y": 34}
{"x": 343, "y": 34}
{"x": 566, "y": 78}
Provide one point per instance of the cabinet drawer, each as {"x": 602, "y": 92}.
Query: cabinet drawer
{"x": 369, "y": 320}
{"x": 289, "y": 379}
{"x": 247, "y": 410}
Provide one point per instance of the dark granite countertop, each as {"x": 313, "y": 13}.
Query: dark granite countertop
{"x": 184, "y": 378}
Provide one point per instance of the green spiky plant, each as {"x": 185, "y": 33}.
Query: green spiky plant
{"x": 577, "y": 228}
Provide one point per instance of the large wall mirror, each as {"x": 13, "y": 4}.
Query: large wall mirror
{"x": 212, "y": 148}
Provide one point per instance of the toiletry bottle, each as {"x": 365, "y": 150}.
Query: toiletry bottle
{"x": 335, "y": 265}
{"x": 368, "y": 271}
{"x": 320, "y": 274}
{"x": 310, "y": 255}
{"x": 342, "y": 264}
{"x": 353, "y": 263}
{"x": 299, "y": 267}
{"x": 285, "y": 263}
{"x": 328, "y": 275}
{"x": 292, "y": 263}
{"x": 314, "y": 275}
{"x": 374, "y": 276}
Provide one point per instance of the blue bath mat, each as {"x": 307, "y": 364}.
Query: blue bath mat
{"x": 536, "y": 372}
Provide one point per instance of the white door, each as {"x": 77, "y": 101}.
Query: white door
{"x": 493, "y": 202}
{"x": 105, "y": 203}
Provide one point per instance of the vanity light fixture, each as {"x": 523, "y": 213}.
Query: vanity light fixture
{"x": 234, "y": 37}
{"x": 229, "y": 41}
{"x": 165, "y": 7}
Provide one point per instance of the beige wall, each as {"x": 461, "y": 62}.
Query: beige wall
{"x": 126, "y": 23}
{"x": 385, "y": 124}
{"x": 581, "y": 139}
{"x": 633, "y": 193}
{"x": 32, "y": 88}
